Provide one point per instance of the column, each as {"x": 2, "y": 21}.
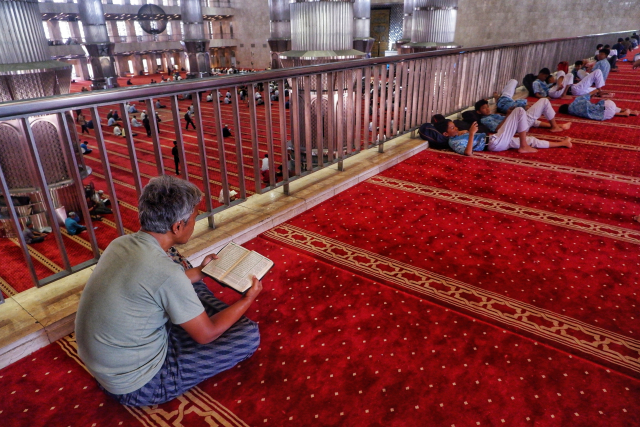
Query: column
{"x": 98, "y": 48}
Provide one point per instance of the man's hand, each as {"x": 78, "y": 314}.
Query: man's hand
{"x": 208, "y": 259}
{"x": 254, "y": 290}
{"x": 195, "y": 274}
{"x": 472, "y": 131}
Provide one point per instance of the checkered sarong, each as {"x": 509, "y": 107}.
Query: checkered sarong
{"x": 189, "y": 363}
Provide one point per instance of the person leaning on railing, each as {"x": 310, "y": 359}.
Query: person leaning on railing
{"x": 147, "y": 327}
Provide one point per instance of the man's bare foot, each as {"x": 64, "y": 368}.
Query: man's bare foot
{"x": 634, "y": 112}
{"x": 607, "y": 94}
{"x": 566, "y": 97}
{"x": 637, "y": 218}
{"x": 626, "y": 112}
{"x": 566, "y": 142}
{"x": 560, "y": 128}
{"x": 527, "y": 149}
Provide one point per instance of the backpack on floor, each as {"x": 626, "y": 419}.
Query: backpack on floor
{"x": 436, "y": 140}
{"x": 528, "y": 83}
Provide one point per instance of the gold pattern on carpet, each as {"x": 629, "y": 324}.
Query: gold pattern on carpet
{"x": 565, "y": 221}
{"x": 7, "y": 288}
{"x": 588, "y": 173}
{"x": 40, "y": 257}
{"x": 195, "y": 401}
{"x": 603, "y": 344}
{"x": 589, "y": 142}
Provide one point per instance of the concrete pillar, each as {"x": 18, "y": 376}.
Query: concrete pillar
{"x": 74, "y": 29}
{"x": 54, "y": 30}
{"x": 131, "y": 29}
{"x": 98, "y": 48}
{"x": 195, "y": 45}
{"x": 362, "y": 26}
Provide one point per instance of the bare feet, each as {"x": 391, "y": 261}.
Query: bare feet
{"x": 560, "y": 128}
{"x": 607, "y": 94}
{"x": 634, "y": 112}
{"x": 566, "y": 97}
{"x": 566, "y": 142}
{"x": 527, "y": 149}
{"x": 637, "y": 218}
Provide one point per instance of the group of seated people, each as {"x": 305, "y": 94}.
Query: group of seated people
{"x": 509, "y": 127}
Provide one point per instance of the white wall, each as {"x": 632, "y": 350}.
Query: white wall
{"x": 488, "y": 22}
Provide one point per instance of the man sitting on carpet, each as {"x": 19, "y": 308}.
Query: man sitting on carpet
{"x": 147, "y": 327}
{"x": 603, "y": 110}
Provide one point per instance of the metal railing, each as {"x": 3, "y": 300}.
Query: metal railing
{"x": 322, "y": 115}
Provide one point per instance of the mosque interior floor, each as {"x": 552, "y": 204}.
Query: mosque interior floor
{"x": 497, "y": 289}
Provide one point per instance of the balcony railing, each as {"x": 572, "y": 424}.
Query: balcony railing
{"x": 321, "y": 116}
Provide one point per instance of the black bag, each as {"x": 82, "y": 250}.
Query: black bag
{"x": 528, "y": 83}
{"x": 436, "y": 140}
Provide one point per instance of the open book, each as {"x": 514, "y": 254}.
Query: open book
{"x": 236, "y": 265}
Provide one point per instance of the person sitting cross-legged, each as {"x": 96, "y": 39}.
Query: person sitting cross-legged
{"x": 72, "y": 226}
{"x": 147, "y": 327}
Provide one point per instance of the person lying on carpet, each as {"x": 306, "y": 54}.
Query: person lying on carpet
{"x": 518, "y": 121}
{"x": 604, "y": 110}
{"x": 494, "y": 121}
{"x": 147, "y": 327}
{"x": 505, "y": 101}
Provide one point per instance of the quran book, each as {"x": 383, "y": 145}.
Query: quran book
{"x": 236, "y": 265}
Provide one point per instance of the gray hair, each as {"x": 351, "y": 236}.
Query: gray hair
{"x": 166, "y": 200}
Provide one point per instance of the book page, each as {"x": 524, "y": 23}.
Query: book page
{"x": 229, "y": 256}
{"x": 253, "y": 264}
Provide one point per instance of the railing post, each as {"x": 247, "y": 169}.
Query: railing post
{"x": 283, "y": 136}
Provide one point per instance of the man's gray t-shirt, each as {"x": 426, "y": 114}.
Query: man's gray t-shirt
{"x": 121, "y": 322}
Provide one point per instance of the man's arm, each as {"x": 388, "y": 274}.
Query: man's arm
{"x": 472, "y": 131}
{"x": 195, "y": 274}
{"x": 204, "y": 329}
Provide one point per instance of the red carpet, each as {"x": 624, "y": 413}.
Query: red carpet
{"x": 495, "y": 290}
{"x": 347, "y": 351}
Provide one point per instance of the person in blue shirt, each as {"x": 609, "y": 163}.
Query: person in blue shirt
{"x": 540, "y": 108}
{"x": 462, "y": 142}
{"x": 72, "y": 226}
{"x": 85, "y": 148}
{"x": 602, "y": 64}
{"x": 603, "y": 110}
{"x": 505, "y": 101}
{"x": 540, "y": 86}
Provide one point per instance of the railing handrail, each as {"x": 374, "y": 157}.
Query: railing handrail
{"x": 58, "y": 103}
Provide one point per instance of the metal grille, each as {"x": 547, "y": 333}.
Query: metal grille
{"x": 50, "y": 151}
{"x": 13, "y": 158}
{"x": 395, "y": 94}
